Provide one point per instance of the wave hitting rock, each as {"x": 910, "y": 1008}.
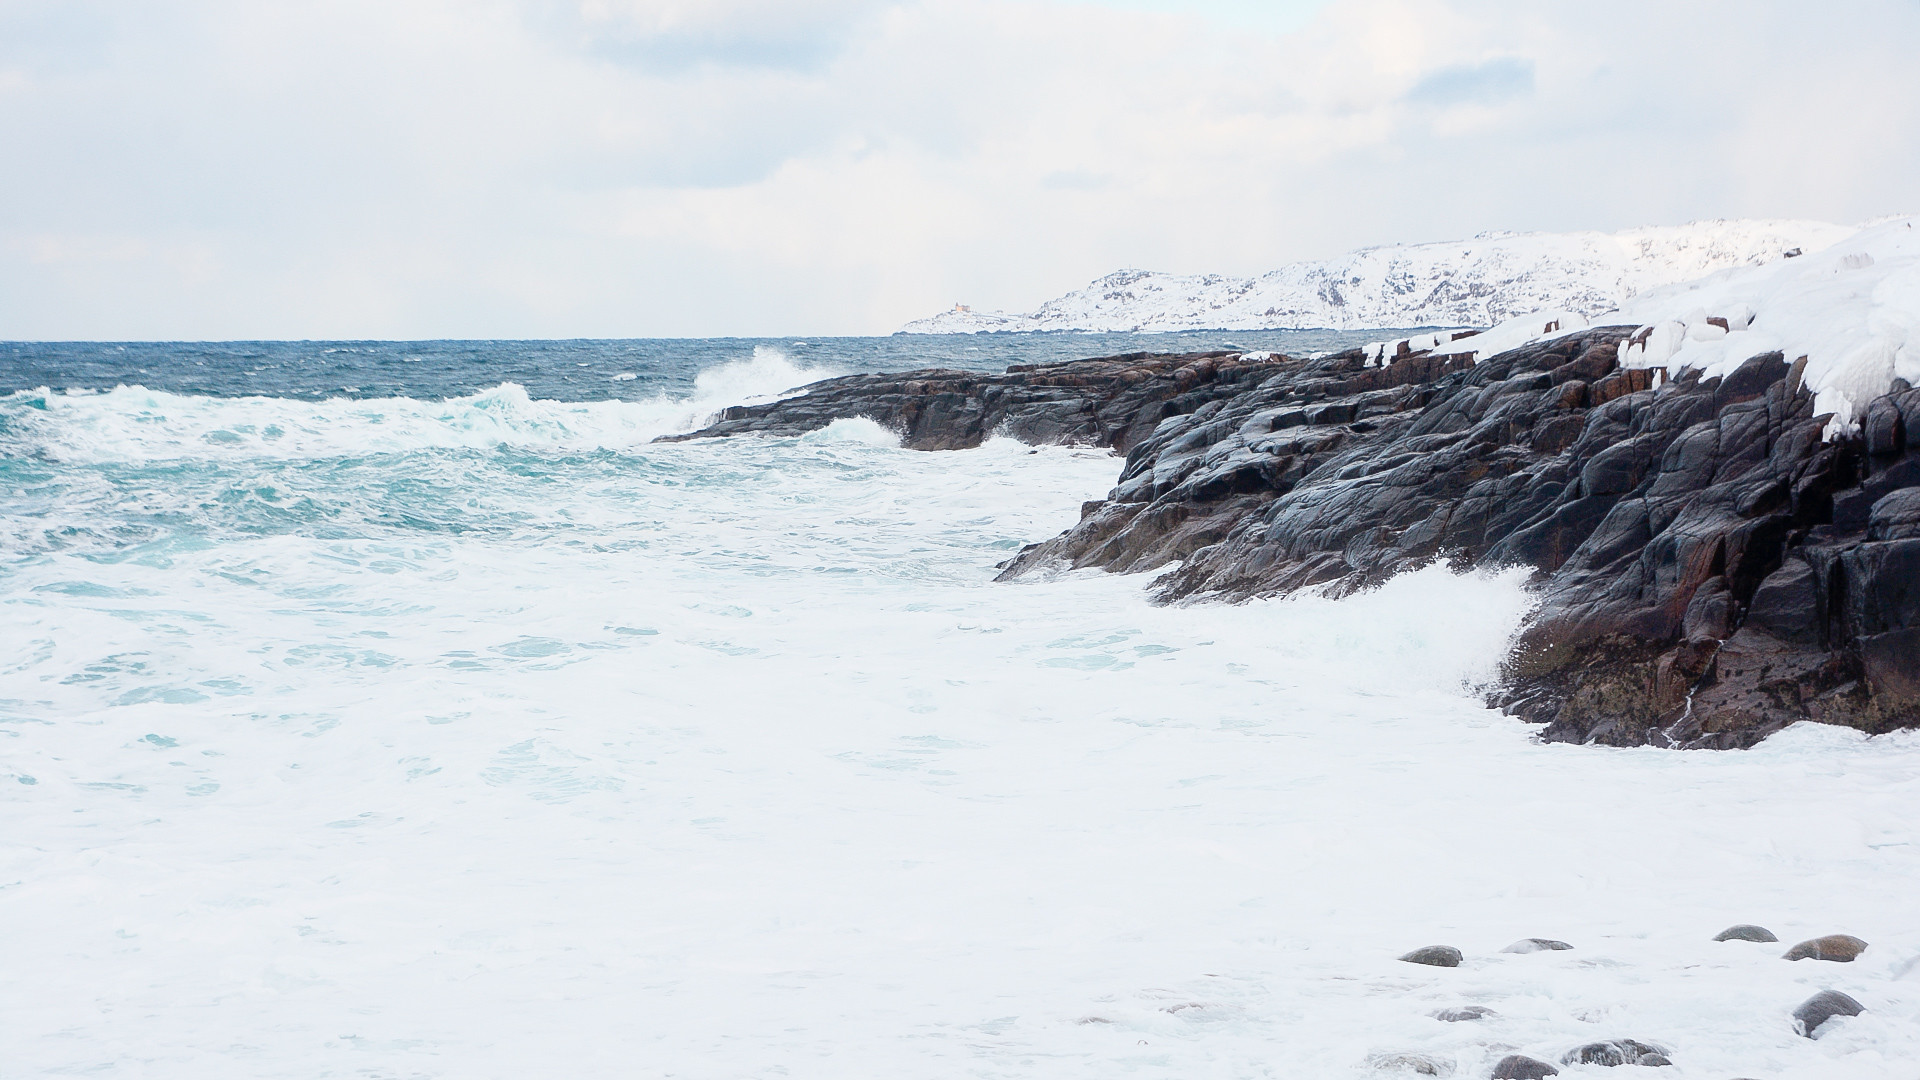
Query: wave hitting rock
{"x": 1712, "y": 568}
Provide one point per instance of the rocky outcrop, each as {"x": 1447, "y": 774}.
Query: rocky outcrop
{"x": 1712, "y": 567}
{"x": 1113, "y": 401}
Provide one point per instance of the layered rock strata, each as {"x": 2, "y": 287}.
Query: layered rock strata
{"x": 1711, "y": 568}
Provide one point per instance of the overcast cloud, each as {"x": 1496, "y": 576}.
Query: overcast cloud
{"x": 430, "y": 168}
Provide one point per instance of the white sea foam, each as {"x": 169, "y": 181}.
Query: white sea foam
{"x": 135, "y": 424}
{"x": 728, "y": 759}
{"x": 854, "y": 429}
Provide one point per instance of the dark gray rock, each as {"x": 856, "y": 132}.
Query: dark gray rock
{"x": 1464, "y": 1012}
{"x": 1712, "y": 569}
{"x": 1821, "y": 1008}
{"x": 1896, "y": 516}
{"x": 1113, "y": 401}
{"x": 1536, "y": 944}
{"x": 1885, "y": 430}
{"x": 1522, "y": 1067}
{"x": 1745, "y": 932}
{"x": 1842, "y": 948}
{"x": 1616, "y": 1052}
{"x": 1435, "y": 956}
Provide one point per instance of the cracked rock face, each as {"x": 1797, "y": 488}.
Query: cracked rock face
{"x": 1711, "y": 569}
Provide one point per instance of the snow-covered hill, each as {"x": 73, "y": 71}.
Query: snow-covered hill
{"x": 1479, "y": 282}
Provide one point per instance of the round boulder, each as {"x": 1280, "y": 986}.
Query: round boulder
{"x": 1821, "y": 1008}
{"x": 1464, "y": 1012}
{"x": 1617, "y": 1052}
{"x": 1536, "y": 944}
{"x": 1745, "y": 932}
{"x": 1841, "y": 948}
{"x": 1435, "y": 956}
{"x": 1522, "y": 1067}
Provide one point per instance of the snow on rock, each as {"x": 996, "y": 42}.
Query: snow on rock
{"x": 1489, "y": 279}
{"x": 1479, "y": 345}
{"x": 1853, "y": 311}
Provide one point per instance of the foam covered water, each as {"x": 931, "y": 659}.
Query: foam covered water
{"x": 480, "y": 736}
{"x": 135, "y": 424}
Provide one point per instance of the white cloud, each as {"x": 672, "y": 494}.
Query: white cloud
{"x": 660, "y": 167}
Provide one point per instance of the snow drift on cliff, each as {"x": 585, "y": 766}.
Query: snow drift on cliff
{"x": 1851, "y": 311}
{"x": 1488, "y": 279}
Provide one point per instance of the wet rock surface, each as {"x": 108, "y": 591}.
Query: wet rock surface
{"x": 1536, "y": 944}
{"x": 1616, "y": 1052}
{"x": 1112, "y": 401}
{"x": 1745, "y": 932}
{"x": 1712, "y": 567}
{"x": 1435, "y": 956}
{"x": 1522, "y": 1067}
{"x": 1821, "y": 1008}
{"x": 1842, "y": 948}
{"x": 1465, "y": 1012}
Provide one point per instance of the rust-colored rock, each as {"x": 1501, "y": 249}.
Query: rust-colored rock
{"x": 1842, "y": 948}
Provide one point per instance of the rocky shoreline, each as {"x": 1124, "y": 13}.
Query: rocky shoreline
{"x": 1711, "y": 568}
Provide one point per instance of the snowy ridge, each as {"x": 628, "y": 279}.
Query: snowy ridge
{"x": 1479, "y": 282}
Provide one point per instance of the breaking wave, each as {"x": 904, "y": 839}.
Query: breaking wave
{"x": 137, "y": 424}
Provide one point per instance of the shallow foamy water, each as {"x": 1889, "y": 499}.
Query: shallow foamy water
{"x": 481, "y": 737}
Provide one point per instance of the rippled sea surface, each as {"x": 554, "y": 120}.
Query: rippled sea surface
{"x": 402, "y": 710}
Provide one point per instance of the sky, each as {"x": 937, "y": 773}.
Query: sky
{"x": 221, "y": 169}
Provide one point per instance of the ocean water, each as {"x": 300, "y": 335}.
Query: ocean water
{"x": 403, "y": 711}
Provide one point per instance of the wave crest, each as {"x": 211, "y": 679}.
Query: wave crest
{"x": 133, "y": 423}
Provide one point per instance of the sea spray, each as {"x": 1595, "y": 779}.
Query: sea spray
{"x": 481, "y": 735}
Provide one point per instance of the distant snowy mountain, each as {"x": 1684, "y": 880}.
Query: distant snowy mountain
{"x": 1479, "y": 282}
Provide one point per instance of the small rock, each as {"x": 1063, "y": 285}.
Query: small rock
{"x": 1536, "y": 944}
{"x": 1435, "y": 956}
{"x": 1417, "y": 1064}
{"x": 1821, "y": 1008}
{"x": 1841, "y": 948}
{"x": 1653, "y": 1059}
{"x": 1745, "y": 932}
{"x": 1617, "y": 1052}
{"x": 1522, "y": 1067}
{"x": 1464, "y": 1012}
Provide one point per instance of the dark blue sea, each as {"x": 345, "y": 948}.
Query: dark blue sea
{"x": 573, "y": 370}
